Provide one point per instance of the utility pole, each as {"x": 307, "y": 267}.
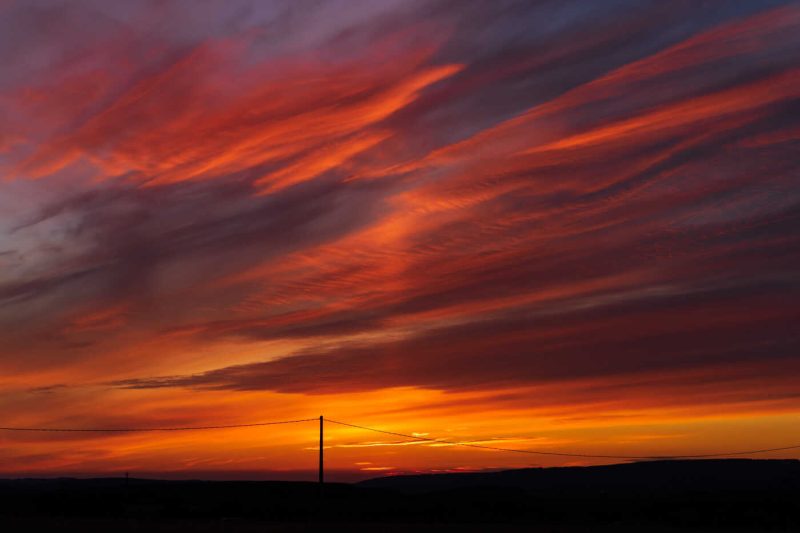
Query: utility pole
{"x": 321, "y": 448}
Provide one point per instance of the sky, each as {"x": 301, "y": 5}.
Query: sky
{"x": 548, "y": 225}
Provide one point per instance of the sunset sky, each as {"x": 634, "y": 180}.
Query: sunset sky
{"x": 553, "y": 225}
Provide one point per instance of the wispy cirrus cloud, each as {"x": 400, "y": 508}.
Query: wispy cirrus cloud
{"x": 407, "y": 195}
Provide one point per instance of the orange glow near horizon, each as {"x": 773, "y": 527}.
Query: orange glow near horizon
{"x": 391, "y": 217}
{"x": 605, "y": 428}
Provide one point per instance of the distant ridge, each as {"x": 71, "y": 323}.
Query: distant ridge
{"x": 729, "y": 495}
{"x": 707, "y": 475}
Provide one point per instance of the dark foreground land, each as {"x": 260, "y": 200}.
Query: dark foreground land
{"x": 720, "y": 495}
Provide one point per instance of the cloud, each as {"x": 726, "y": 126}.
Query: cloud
{"x": 554, "y": 344}
{"x": 530, "y": 246}
{"x": 597, "y": 202}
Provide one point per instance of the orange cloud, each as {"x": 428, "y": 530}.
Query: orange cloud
{"x": 576, "y": 243}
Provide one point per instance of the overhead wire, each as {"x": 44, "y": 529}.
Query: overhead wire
{"x": 562, "y": 454}
{"x": 180, "y": 428}
{"x": 406, "y": 436}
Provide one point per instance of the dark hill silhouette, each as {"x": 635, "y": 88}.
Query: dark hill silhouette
{"x": 751, "y": 495}
{"x": 654, "y": 476}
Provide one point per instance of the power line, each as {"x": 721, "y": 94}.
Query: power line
{"x": 562, "y": 454}
{"x": 746, "y": 452}
{"x": 470, "y": 445}
{"x": 404, "y": 435}
{"x": 132, "y": 430}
